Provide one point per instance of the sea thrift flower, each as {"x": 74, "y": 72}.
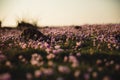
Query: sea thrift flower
{"x": 74, "y": 65}
{"x": 8, "y": 63}
{"x": 50, "y": 63}
{"x": 94, "y": 42}
{"x": 5, "y": 76}
{"x": 24, "y": 46}
{"x": 48, "y": 71}
{"x": 48, "y": 50}
{"x": 72, "y": 59}
{"x": 54, "y": 51}
{"x": 63, "y": 69}
{"x": 98, "y": 62}
{"x": 78, "y": 54}
{"x": 86, "y": 76}
{"x": 50, "y": 56}
{"x": 60, "y": 78}
{"x": 107, "y": 64}
{"x": 20, "y": 57}
{"x": 29, "y": 76}
{"x": 65, "y": 59}
{"x": 105, "y": 60}
{"x": 57, "y": 47}
{"x": 37, "y": 73}
{"x": 106, "y": 78}
{"x": 90, "y": 69}
{"x": 2, "y": 57}
{"x": 78, "y": 43}
{"x": 77, "y": 73}
{"x": 112, "y": 62}
{"x": 36, "y": 59}
{"x": 57, "y": 51}
{"x": 34, "y": 62}
{"x": 46, "y": 44}
{"x": 94, "y": 74}
{"x": 100, "y": 69}
{"x": 117, "y": 67}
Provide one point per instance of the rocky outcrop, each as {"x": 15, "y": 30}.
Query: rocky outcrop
{"x": 33, "y": 34}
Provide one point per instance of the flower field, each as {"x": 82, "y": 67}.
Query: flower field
{"x": 87, "y": 52}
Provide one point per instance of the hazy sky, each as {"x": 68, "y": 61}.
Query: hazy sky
{"x": 61, "y": 12}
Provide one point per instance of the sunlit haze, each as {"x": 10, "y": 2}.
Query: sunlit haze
{"x": 60, "y": 12}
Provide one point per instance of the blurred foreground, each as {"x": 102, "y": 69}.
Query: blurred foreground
{"x": 88, "y": 52}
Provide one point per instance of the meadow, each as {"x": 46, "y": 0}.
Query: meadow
{"x": 86, "y": 52}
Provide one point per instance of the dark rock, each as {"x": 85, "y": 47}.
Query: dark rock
{"x": 78, "y": 27}
{"x": 7, "y": 28}
{"x": 22, "y": 25}
{"x": 33, "y": 34}
{"x": 118, "y": 38}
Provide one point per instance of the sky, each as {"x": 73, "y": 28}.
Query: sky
{"x": 60, "y": 12}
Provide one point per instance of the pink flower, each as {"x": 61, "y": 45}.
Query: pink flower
{"x": 77, "y": 73}
{"x": 65, "y": 59}
{"x": 48, "y": 71}
{"x": 86, "y": 76}
{"x": 50, "y": 63}
{"x": 37, "y": 73}
{"x": 78, "y": 43}
{"x": 63, "y": 69}
{"x": 48, "y": 50}
{"x": 5, "y": 76}
{"x": 29, "y": 76}
{"x": 8, "y": 63}
{"x": 117, "y": 67}
{"x": 94, "y": 74}
{"x": 57, "y": 51}
{"x": 24, "y": 46}
{"x": 57, "y": 47}
{"x": 50, "y": 56}
{"x": 46, "y": 44}
{"x": 106, "y": 78}
{"x": 2, "y": 57}
{"x": 98, "y": 62}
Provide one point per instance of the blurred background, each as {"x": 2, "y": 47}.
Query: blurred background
{"x": 60, "y": 12}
